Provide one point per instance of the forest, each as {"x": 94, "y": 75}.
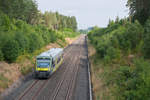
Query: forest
{"x": 122, "y": 55}
{"x": 24, "y": 29}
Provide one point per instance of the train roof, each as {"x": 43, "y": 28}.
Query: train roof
{"x": 53, "y": 52}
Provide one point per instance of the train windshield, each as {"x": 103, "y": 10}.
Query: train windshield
{"x": 43, "y": 63}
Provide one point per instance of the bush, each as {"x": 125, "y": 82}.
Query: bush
{"x": 22, "y": 41}
{"x": 134, "y": 83}
{"x": 146, "y": 44}
{"x": 35, "y": 42}
{"x": 11, "y": 50}
{"x": 101, "y": 49}
{"x": 1, "y": 56}
{"x": 113, "y": 53}
{"x": 52, "y": 36}
{"x": 134, "y": 32}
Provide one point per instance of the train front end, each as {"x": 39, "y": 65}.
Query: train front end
{"x": 43, "y": 69}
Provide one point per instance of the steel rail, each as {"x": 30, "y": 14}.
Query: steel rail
{"x": 57, "y": 90}
{"x": 73, "y": 80}
{"x": 44, "y": 84}
{"x": 36, "y": 81}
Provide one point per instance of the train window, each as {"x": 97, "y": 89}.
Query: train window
{"x": 43, "y": 58}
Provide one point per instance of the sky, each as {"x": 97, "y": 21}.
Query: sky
{"x": 87, "y": 12}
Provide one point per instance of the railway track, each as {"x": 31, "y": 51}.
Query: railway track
{"x": 72, "y": 82}
{"x": 44, "y": 82}
{"x": 61, "y": 95}
{"x": 57, "y": 89}
{"x": 38, "y": 92}
{"x": 62, "y": 84}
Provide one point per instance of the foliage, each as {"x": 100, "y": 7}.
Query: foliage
{"x": 22, "y": 41}
{"x": 132, "y": 83}
{"x": 139, "y": 9}
{"x": 1, "y": 56}
{"x": 17, "y": 37}
{"x": 146, "y": 47}
{"x": 25, "y": 10}
{"x": 128, "y": 77}
{"x": 122, "y": 36}
{"x": 11, "y": 50}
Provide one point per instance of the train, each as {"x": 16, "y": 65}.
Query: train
{"x": 48, "y": 62}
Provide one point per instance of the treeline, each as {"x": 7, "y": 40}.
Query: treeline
{"x": 24, "y": 29}
{"x": 27, "y": 10}
{"x": 124, "y": 50}
{"x": 57, "y": 21}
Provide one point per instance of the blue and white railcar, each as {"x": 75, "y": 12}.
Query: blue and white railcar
{"x": 48, "y": 62}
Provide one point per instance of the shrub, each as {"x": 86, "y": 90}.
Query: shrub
{"x": 35, "y": 42}
{"x": 146, "y": 45}
{"x": 133, "y": 83}
{"x": 107, "y": 59}
{"x": 113, "y": 53}
{"x": 5, "y": 22}
{"x": 134, "y": 32}
{"x": 11, "y": 50}
{"x": 22, "y": 41}
{"x": 1, "y": 56}
{"x": 101, "y": 49}
{"x": 52, "y": 36}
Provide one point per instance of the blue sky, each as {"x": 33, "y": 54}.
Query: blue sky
{"x": 88, "y": 12}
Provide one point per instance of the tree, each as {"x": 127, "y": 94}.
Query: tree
{"x": 20, "y": 9}
{"x": 50, "y": 20}
{"x": 11, "y": 50}
{"x": 1, "y": 56}
{"x": 139, "y": 9}
{"x": 74, "y": 23}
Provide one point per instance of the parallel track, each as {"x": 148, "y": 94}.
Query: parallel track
{"x": 72, "y": 81}
{"x": 56, "y": 91}
{"x": 45, "y": 81}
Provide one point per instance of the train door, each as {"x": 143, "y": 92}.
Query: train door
{"x": 53, "y": 64}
